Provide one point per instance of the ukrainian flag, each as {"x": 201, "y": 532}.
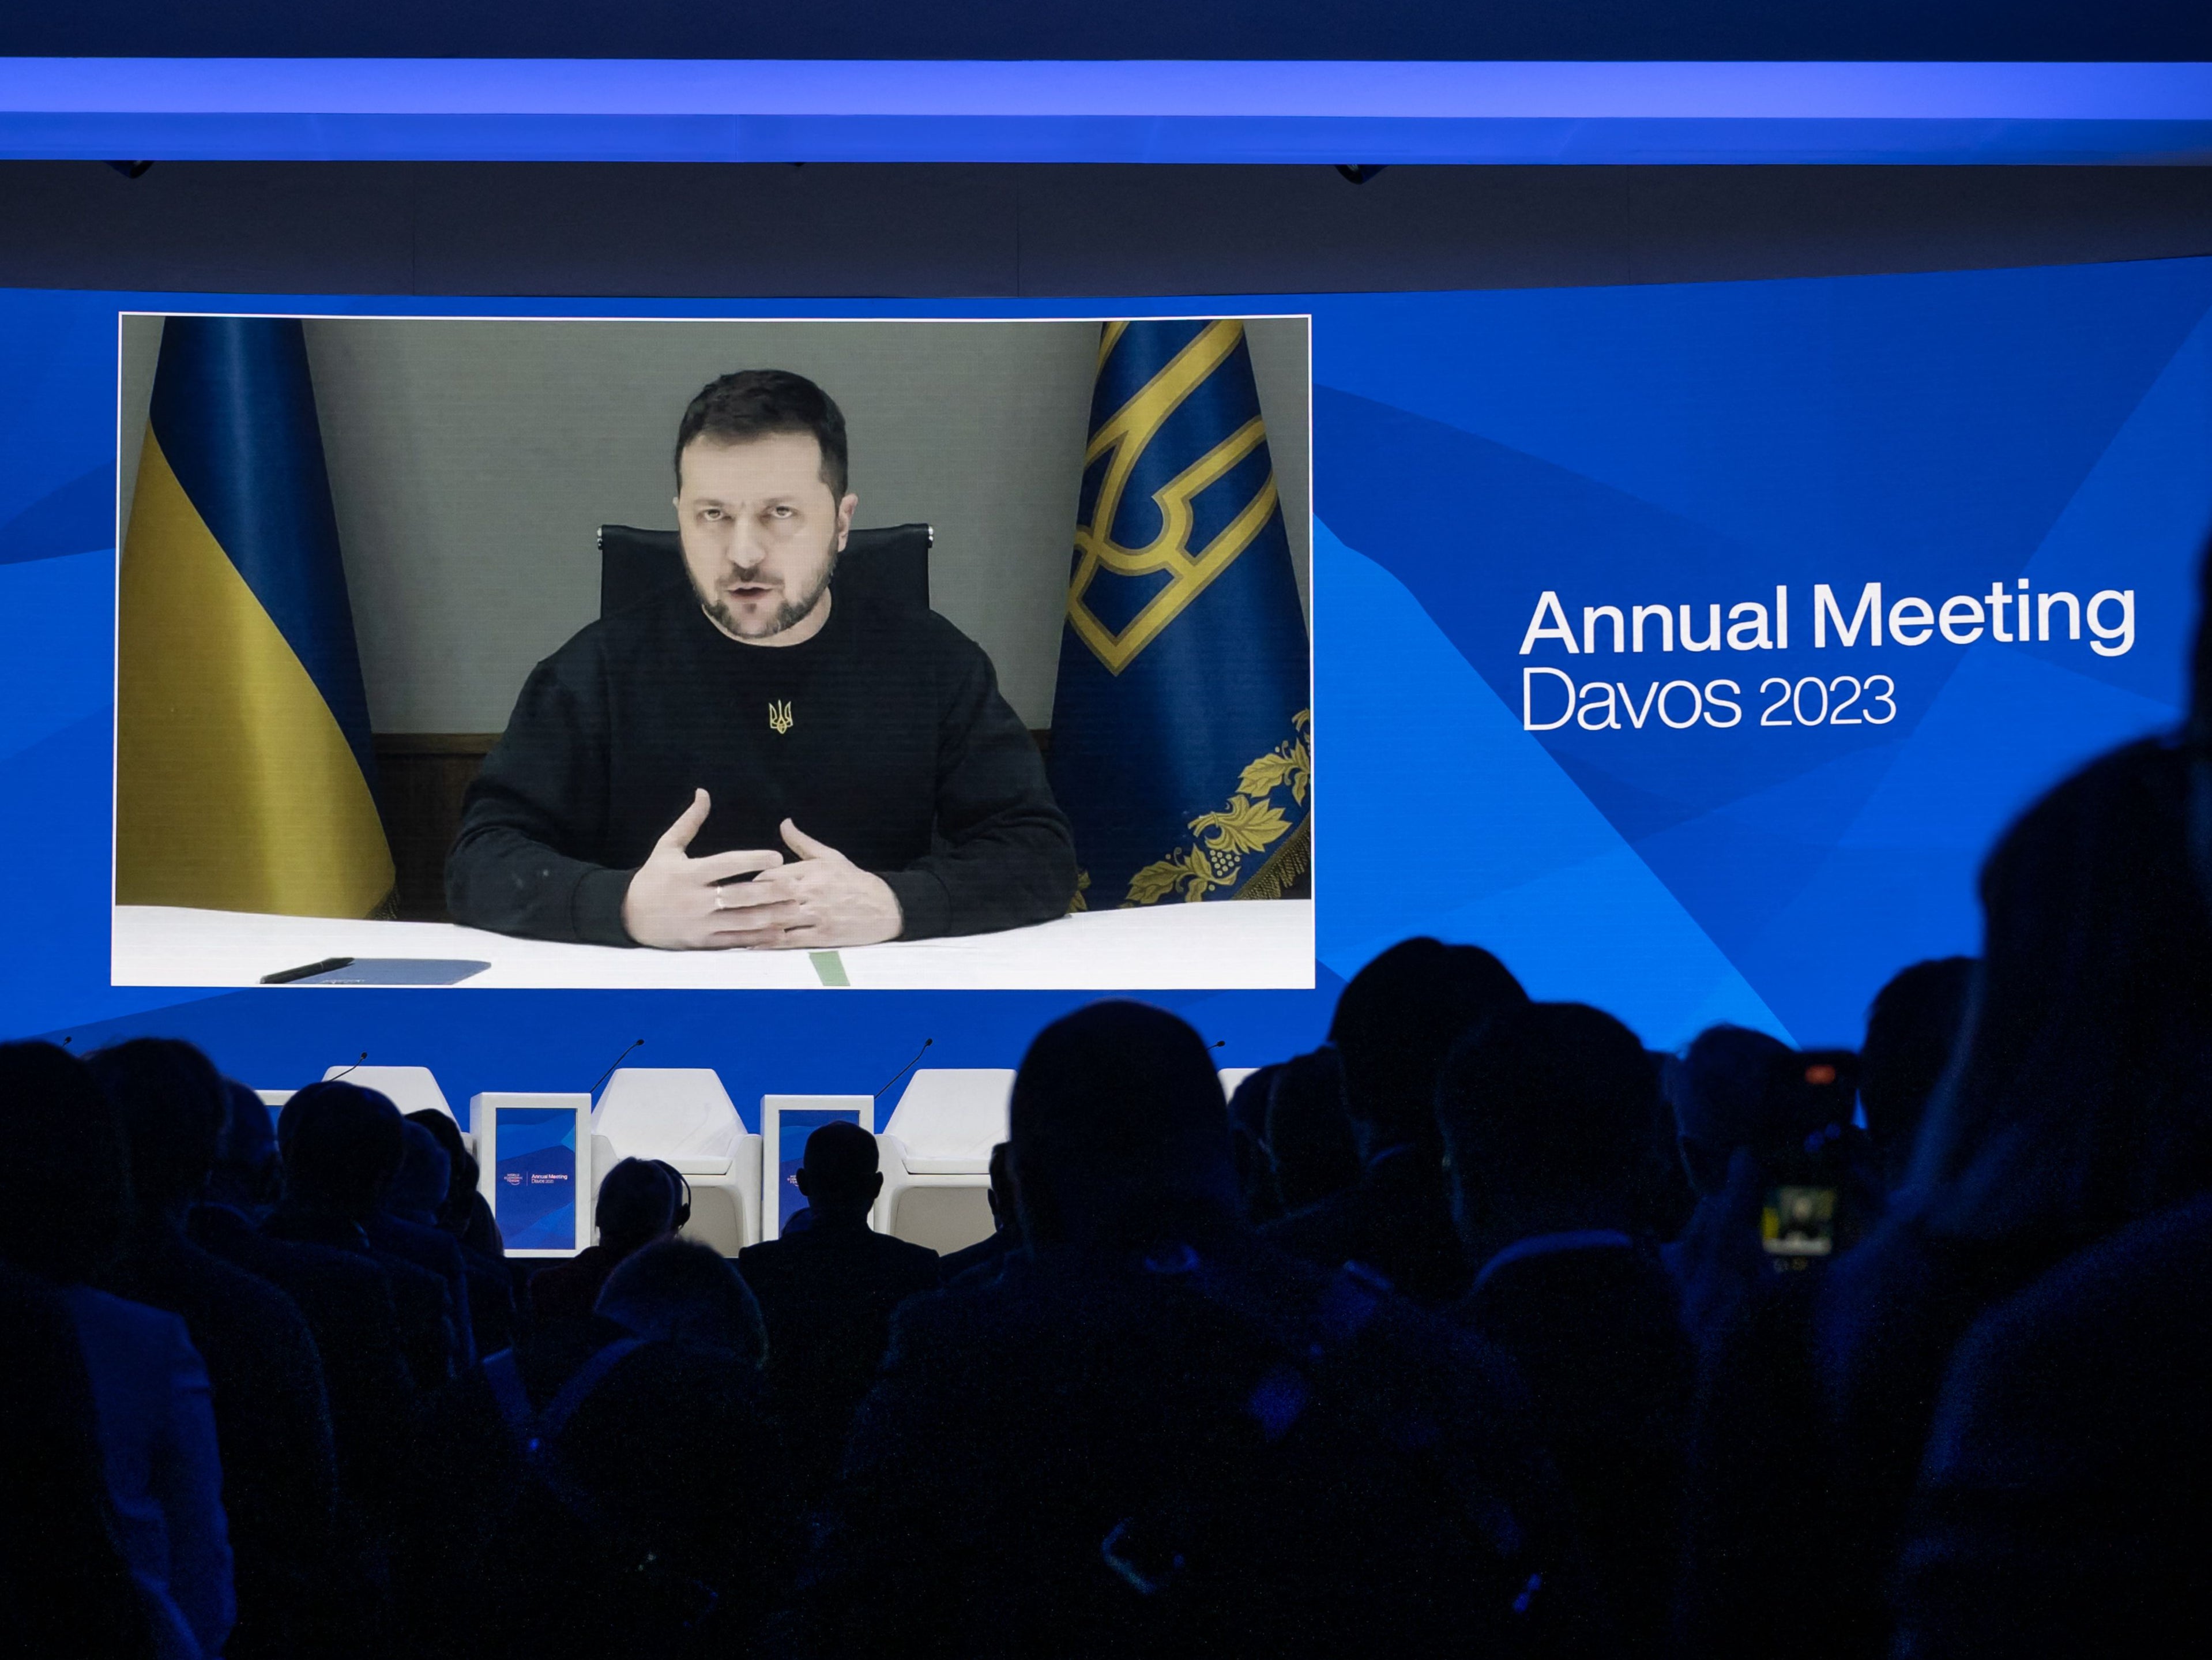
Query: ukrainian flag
{"x": 244, "y": 778}
{"x": 1182, "y": 731}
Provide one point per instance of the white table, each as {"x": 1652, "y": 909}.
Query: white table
{"x": 1225, "y": 946}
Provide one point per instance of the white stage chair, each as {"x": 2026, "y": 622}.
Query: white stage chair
{"x": 684, "y": 1116}
{"x": 410, "y": 1089}
{"x": 936, "y": 1156}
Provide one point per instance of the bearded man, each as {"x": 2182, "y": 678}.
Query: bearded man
{"x": 752, "y": 761}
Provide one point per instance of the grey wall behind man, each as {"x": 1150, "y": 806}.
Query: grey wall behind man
{"x": 472, "y": 462}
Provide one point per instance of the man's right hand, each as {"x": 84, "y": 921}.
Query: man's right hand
{"x": 671, "y": 901}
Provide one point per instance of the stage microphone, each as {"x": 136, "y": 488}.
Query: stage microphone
{"x": 905, "y": 1069}
{"x": 335, "y": 1076}
{"x": 1217, "y": 1043}
{"x": 610, "y": 1071}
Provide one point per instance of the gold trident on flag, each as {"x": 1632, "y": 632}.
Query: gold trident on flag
{"x": 1125, "y": 436}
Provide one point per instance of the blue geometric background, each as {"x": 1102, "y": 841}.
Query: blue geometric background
{"x": 1658, "y": 444}
{"x": 1692, "y": 444}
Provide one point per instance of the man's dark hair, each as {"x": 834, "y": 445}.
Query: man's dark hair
{"x": 172, "y": 1104}
{"x": 636, "y": 1202}
{"x": 342, "y": 1147}
{"x": 1398, "y": 1018}
{"x": 1554, "y": 1100}
{"x": 760, "y": 403}
{"x": 1911, "y": 1028}
{"x": 65, "y": 1184}
{"x": 841, "y": 1162}
{"x": 680, "y": 1291}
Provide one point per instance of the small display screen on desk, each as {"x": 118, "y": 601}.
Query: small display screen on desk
{"x": 534, "y": 1178}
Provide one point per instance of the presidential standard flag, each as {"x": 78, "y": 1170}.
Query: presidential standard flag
{"x": 244, "y": 775}
{"x": 1181, "y": 732}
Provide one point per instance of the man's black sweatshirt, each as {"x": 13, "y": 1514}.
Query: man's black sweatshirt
{"x": 884, "y": 736}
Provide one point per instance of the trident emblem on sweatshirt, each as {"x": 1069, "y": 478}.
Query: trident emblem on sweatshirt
{"x": 779, "y": 717}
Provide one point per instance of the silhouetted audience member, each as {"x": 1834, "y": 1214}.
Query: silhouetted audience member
{"x": 679, "y": 1291}
{"x": 1392, "y": 1027}
{"x": 1719, "y": 1091}
{"x": 620, "y": 1484}
{"x": 64, "y": 1208}
{"x": 827, "y": 1296}
{"x": 1247, "y": 1145}
{"x": 986, "y": 1257}
{"x": 1762, "y": 1469}
{"x": 247, "y": 1175}
{"x": 418, "y": 1192}
{"x": 2081, "y": 1100}
{"x": 346, "y": 1300}
{"x": 416, "y": 1197}
{"x": 1911, "y": 1030}
{"x": 1750, "y": 1119}
{"x": 1544, "y": 1112}
{"x": 426, "y": 1245}
{"x": 271, "y": 1417}
{"x": 636, "y": 1205}
{"x": 1159, "y": 1437}
{"x": 2075, "y": 1102}
{"x": 2061, "y": 1509}
{"x": 340, "y": 1145}
{"x": 64, "y": 1585}
{"x": 466, "y": 1213}
{"x": 1311, "y": 1147}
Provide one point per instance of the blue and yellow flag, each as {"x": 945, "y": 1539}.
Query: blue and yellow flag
{"x": 1182, "y": 731}
{"x": 243, "y": 776}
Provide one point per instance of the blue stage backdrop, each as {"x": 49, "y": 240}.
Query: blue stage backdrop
{"x": 1687, "y": 646}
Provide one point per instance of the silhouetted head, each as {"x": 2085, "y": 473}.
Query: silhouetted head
{"x": 636, "y": 1205}
{"x": 2082, "y": 1094}
{"x": 1545, "y": 1112}
{"x": 1398, "y": 1019}
{"x": 838, "y": 1173}
{"x": 461, "y": 1169}
{"x": 1247, "y": 1145}
{"x": 65, "y": 1181}
{"x": 681, "y": 1291}
{"x": 1118, "y": 1130}
{"x": 247, "y": 1172}
{"x": 1310, "y": 1140}
{"x": 172, "y": 1103}
{"x": 1720, "y": 1092}
{"x": 1911, "y": 1030}
{"x": 418, "y": 1188}
{"x": 1005, "y": 1212}
{"x": 342, "y": 1147}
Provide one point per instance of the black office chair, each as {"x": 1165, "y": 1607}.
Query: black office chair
{"x": 890, "y": 564}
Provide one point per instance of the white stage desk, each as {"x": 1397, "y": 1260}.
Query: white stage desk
{"x": 1227, "y": 945}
